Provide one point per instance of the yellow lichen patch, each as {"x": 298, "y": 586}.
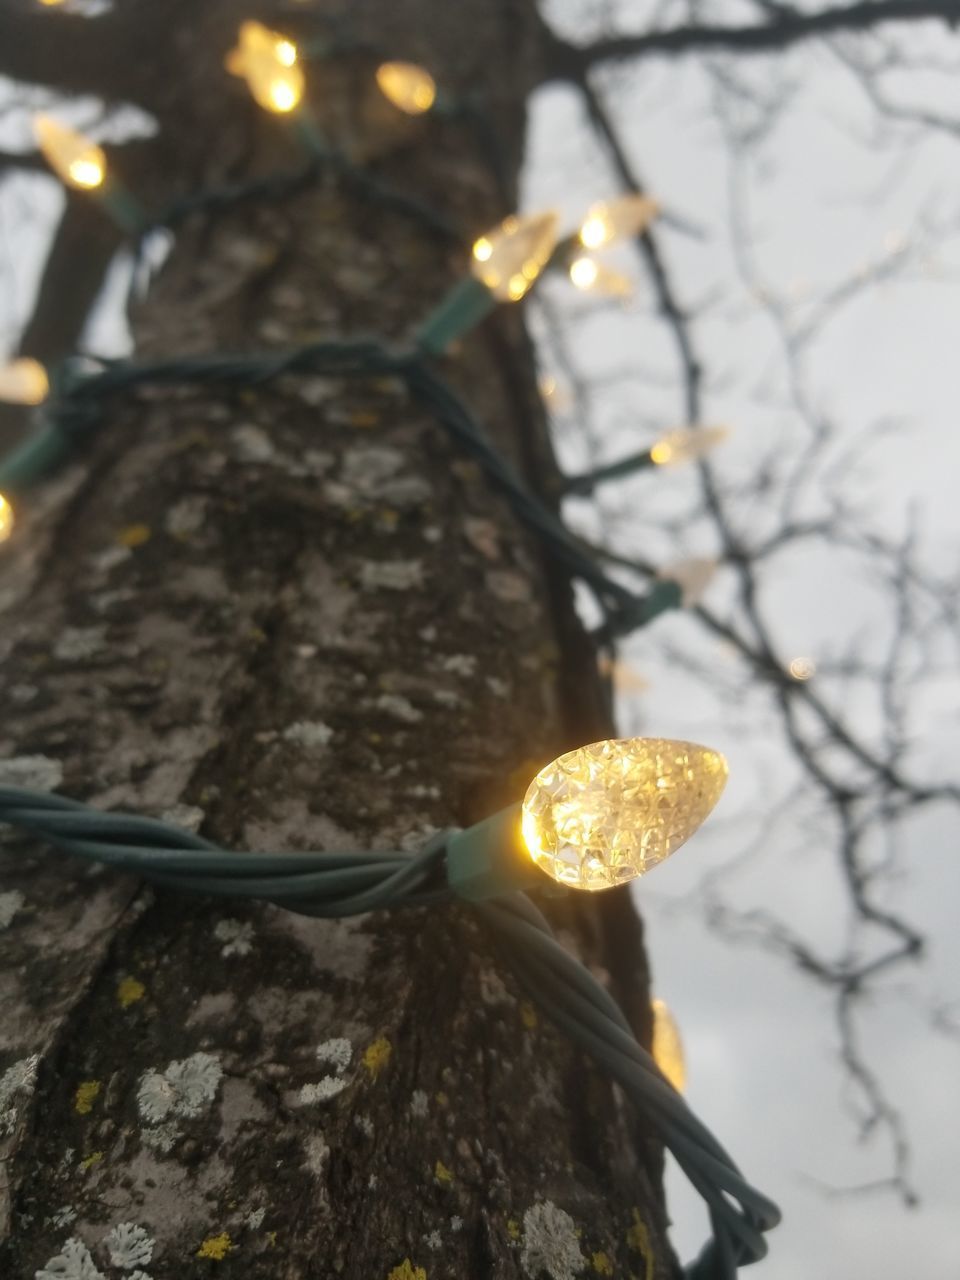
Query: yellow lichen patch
{"x": 85, "y": 1096}
{"x": 363, "y": 418}
{"x": 442, "y": 1173}
{"x": 134, "y": 535}
{"x": 441, "y": 1099}
{"x": 637, "y": 1238}
{"x": 528, "y": 1015}
{"x": 513, "y": 1229}
{"x": 216, "y": 1247}
{"x": 272, "y": 1239}
{"x": 129, "y": 991}
{"x": 407, "y": 1271}
{"x": 601, "y": 1264}
{"x": 377, "y": 1055}
{"x": 89, "y": 1161}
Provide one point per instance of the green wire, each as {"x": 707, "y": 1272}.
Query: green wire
{"x": 333, "y": 885}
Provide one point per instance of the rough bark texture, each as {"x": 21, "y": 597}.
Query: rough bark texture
{"x": 297, "y": 617}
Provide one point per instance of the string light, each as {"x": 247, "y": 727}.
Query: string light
{"x": 75, "y": 159}
{"x": 801, "y": 669}
{"x": 268, "y": 62}
{"x": 504, "y": 263}
{"x": 407, "y": 86}
{"x": 667, "y": 1047}
{"x": 6, "y": 519}
{"x": 605, "y": 813}
{"x": 692, "y": 576}
{"x": 592, "y": 276}
{"x": 686, "y": 444}
{"x": 24, "y": 381}
{"x": 617, "y": 219}
{"x": 508, "y": 259}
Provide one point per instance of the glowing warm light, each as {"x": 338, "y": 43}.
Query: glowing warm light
{"x": 622, "y": 676}
{"x": 408, "y": 86}
{"x": 801, "y": 669}
{"x": 23, "y": 381}
{"x": 268, "y": 63}
{"x": 6, "y": 519}
{"x": 617, "y": 219}
{"x": 686, "y": 444}
{"x": 587, "y": 273}
{"x": 667, "y": 1047}
{"x": 692, "y": 576}
{"x": 75, "y": 160}
{"x": 605, "y": 813}
{"x": 509, "y": 259}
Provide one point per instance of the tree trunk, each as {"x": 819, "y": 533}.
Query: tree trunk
{"x": 297, "y": 616}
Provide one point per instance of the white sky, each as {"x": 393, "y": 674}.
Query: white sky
{"x": 824, "y": 201}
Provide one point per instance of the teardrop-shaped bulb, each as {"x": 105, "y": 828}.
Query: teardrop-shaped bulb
{"x": 23, "y": 381}
{"x": 75, "y": 160}
{"x": 268, "y": 63}
{"x": 408, "y": 87}
{"x": 616, "y": 219}
{"x": 510, "y": 257}
{"x": 6, "y": 519}
{"x": 605, "y": 813}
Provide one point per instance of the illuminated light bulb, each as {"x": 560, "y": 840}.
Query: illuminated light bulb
{"x": 667, "y": 1047}
{"x": 6, "y": 519}
{"x": 407, "y": 86}
{"x": 801, "y": 669}
{"x": 621, "y": 675}
{"x": 75, "y": 160}
{"x": 508, "y": 259}
{"x": 24, "y": 381}
{"x": 686, "y": 444}
{"x": 692, "y": 576}
{"x": 588, "y": 274}
{"x": 268, "y": 63}
{"x": 617, "y": 219}
{"x": 608, "y": 812}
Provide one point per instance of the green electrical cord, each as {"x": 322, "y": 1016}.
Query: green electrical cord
{"x": 332, "y": 885}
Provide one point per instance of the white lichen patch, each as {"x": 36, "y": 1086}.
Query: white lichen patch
{"x": 508, "y": 586}
{"x": 336, "y": 1052}
{"x": 391, "y": 575}
{"x": 375, "y": 473}
{"x": 109, "y": 558}
{"x": 10, "y": 904}
{"x": 499, "y": 688}
{"x": 63, "y": 1217}
{"x": 73, "y": 1262}
{"x": 317, "y": 1154}
{"x": 21, "y": 694}
{"x": 424, "y": 791}
{"x": 459, "y": 664}
{"x": 254, "y": 1220}
{"x": 252, "y": 444}
{"x": 447, "y": 698}
{"x": 419, "y": 1104}
{"x": 394, "y": 704}
{"x": 550, "y": 1243}
{"x": 129, "y": 1246}
{"x": 236, "y": 936}
{"x": 162, "y": 1138}
{"x": 74, "y": 644}
{"x": 308, "y": 733}
{"x": 35, "y": 773}
{"x": 16, "y": 1088}
{"x": 187, "y": 816}
{"x": 456, "y": 1223}
{"x": 184, "y": 1090}
{"x": 434, "y": 1240}
{"x": 186, "y": 517}
{"x": 365, "y": 1125}
{"x": 321, "y": 1090}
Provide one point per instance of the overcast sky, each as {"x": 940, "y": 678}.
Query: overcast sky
{"x": 824, "y": 202}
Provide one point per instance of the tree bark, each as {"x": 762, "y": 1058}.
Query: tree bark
{"x": 298, "y": 617}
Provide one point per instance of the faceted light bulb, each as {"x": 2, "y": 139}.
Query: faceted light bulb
{"x": 23, "y": 381}
{"x": 588, "y": 274}
{"x": 508, "y": 259}
{"x": 667, "y": 1047}
{"x": 617, "y": 219}
{"x": 75, "y": 160}
{"x": 6, "y": 519}
{"x": 692, "y": 576}
{"x": 686, "y": 444}
{"x": 801, "y": 669}
{"x": 605, "y": 813}
{"x": 268, "y": 63}
{"x": 408, "y": 86}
